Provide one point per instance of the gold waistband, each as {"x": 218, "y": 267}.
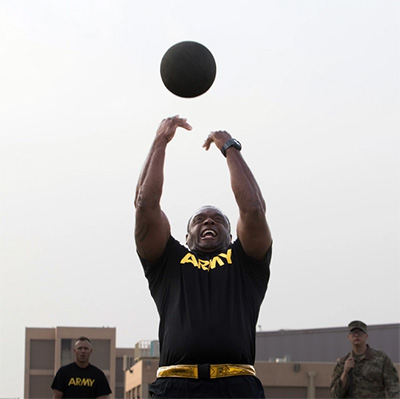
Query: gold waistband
{"x": 205, "y": 371}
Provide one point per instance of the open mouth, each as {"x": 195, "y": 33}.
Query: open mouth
{"x": 208, "y": 233}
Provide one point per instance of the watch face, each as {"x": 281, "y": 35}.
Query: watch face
{"x": 231, "y": 143}
{"x": 236, "y": 144}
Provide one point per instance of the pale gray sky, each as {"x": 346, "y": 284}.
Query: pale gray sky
{"x": 310, "y": 88}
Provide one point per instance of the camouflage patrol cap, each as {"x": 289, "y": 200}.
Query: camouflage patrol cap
{"x": 358, "y": 324}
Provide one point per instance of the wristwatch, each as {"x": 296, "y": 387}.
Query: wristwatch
{"x": 231, "y": 143}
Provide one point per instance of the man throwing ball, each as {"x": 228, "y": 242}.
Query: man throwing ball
{"x": 208, "y": 293}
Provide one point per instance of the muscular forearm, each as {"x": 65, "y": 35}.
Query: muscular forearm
{"x": 244, "y": 186}
{"x": 252, "y": 228}
{"x": 152, "y": 228}
{"x": 150, "y": 183}
{"x": 151, "y": 179}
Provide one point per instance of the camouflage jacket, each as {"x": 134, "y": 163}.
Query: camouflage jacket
{"x": 374, "y": 376}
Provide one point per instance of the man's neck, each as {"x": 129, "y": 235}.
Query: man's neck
{"x": 359, "y": 349}
{"x": 82, "y": 365}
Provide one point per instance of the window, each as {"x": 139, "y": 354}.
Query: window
{"x": 42, "y": 354}
{"x": 101, "y": 353}
{"x": 67, "y": 351}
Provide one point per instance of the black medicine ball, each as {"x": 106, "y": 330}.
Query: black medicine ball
{"x": 188, "y": 69}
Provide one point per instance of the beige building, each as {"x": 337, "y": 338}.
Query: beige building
{"x": 47, "y": 349}
{"x": 142, "y": 371}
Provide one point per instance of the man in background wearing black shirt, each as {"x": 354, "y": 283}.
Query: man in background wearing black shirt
{"x": 80, "y": 379}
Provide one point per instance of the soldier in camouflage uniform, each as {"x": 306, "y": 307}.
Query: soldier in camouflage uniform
{"x": 364, "y": 372}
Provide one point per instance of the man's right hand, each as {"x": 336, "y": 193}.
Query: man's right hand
{"x": 348, "y": 364}
{"x": 168, "y": 127}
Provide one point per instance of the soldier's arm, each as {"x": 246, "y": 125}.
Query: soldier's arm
{"x": 337, "y": 388}
{"x": 152, "y": 228}
{"x": 252, "y": 227}
{"x": 391, "y": 379}
{"x": 57, "y": 394}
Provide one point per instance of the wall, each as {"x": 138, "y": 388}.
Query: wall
{"x": 323, "y": 345}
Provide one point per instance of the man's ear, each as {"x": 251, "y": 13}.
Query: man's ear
{"x": 187, "y": 235}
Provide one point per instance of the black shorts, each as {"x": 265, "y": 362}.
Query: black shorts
{"x": 228, "y": 387}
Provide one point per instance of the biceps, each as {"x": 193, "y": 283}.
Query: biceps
{"x": 151, "y": 234}
{"x": 255, "y": 237}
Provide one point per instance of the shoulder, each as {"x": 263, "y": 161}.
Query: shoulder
{"x": 376, "y": 354}
{"x": 259, "y": 270}
{"x": 91, "y": 367}
{"x": 172, "y": 251}
{"x": 237, "y": 245}
{"x": 67, "y": 367}
{"x": 172, "y": 246}
{"x": 379, "y": 359}
{"x": 65, "y": 371}
{"x": 237, "y": 248}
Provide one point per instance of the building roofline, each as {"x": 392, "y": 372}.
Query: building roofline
{"x": 325, "y": 329}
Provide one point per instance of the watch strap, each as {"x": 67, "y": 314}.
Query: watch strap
{"x": 230, "y": 143}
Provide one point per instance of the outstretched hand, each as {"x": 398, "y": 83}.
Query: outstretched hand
{"x": 168, "y": 127}
{"x": 219, "y": 138}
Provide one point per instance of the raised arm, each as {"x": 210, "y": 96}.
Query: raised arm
{"x": 152, "y": 228}
{"x": 252, "y": 227}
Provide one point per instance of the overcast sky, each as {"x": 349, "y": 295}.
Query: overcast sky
{"x": 310, "y": 88}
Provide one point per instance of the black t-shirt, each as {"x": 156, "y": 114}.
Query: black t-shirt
{"x": 76, "y": 382}
{"x": 208, "y": 304}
